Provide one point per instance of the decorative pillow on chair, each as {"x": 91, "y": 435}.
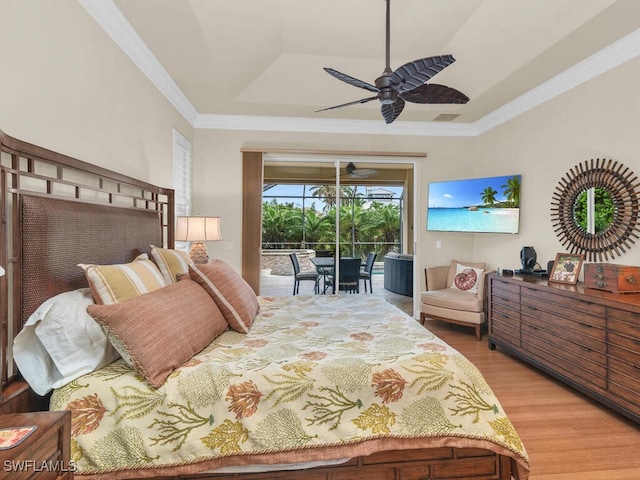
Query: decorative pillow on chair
{"x": 467, "y": 276}
{"x": 117, "y": 283}
{"x": 157, "y": 332}
{"x": 172, "y": 263}
{"x": 234, "y": 296}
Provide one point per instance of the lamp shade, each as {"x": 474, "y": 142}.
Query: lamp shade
{"x": 198, "y": 229}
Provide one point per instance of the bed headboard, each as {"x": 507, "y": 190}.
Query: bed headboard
{"x": 56, "y": 212}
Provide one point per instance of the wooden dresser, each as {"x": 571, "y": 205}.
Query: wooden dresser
{"x": 589, "y": 339}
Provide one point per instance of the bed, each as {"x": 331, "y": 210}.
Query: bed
{"x": 325, "y": 387}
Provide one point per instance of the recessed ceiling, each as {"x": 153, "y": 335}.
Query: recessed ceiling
{"x": 266, "y": 57}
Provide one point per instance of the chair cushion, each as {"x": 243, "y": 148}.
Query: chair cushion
{"x": 459, "y": 315}
{"x": 307, "y": 275}
{"x": 452, "y": 299}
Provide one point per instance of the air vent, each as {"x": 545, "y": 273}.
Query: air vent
{"x": 446, "y": 117}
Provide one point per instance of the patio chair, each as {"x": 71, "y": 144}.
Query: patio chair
{"x": 300, "y": 276}
{"x": 368, "y": 271}
{"x": 349, "y": 280}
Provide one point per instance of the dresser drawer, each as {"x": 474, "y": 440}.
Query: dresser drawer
{"x": 505, "y": 328}
{"x": 575, "y": 308}
{"x": 583, "y": 333}
{"x": 575, "y": 368}
{"x": 575, "y": 350}
{"x": 624, "y": 386}
{"x": 507, "y": 291}
{"x": 624, "y": 322}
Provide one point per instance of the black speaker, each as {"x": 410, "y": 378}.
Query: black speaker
{"x": 550, "y": 264}
{"x": 528, "y": 258}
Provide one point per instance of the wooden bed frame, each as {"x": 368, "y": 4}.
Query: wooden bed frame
{"x": 93, "y": 215}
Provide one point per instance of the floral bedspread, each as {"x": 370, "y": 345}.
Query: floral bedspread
{"x": 313, "y": 371}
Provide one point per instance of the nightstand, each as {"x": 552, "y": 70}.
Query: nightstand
{"x": 45, "y": 453}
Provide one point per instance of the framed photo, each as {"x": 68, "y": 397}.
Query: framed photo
{"x": 566, "y": 268}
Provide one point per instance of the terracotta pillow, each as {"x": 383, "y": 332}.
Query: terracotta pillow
{"x": 157, "y": 332}
{"x": 235, "y": 298}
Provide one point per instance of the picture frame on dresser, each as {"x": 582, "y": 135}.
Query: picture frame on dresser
{"x": 566, "y": 268}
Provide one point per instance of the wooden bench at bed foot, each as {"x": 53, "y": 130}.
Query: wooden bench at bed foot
{"x": 433, "y": 464}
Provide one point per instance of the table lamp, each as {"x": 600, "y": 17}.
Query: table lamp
{"x": 198, "y": 230}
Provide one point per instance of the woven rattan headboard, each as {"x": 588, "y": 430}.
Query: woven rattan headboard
{"x": 59, "y": 234}
{"x": 57, "y": 211}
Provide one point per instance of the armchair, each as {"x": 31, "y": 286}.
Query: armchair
{"x": 455, "y": 294}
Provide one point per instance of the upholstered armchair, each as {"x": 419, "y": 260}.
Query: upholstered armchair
{"x": 455, "y": 294}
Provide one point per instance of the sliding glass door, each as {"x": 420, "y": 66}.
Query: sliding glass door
{"x": 336, "y": 207}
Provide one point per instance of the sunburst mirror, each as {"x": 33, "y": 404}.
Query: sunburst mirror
{"x": 594, "y": 209}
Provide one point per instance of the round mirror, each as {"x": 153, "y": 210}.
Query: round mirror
{"x": 595, "y": 209}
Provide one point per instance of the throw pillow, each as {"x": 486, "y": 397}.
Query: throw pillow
{"x": 157, "y": 332}
{"x": 172, "y": 263}
{"x": 234, "y": 296}
{"x": 467, "y": 278}
{"x": 117, "y": 283}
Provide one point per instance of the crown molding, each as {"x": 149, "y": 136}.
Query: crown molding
{"x": 332, "y": 125}
{"x": 115, "y": 24}
{"x": 111, "y": 19}
{"x": 616, "y": 54}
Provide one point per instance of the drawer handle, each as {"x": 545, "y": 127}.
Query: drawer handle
{"x": 631, "y": 279}
{"x": 599, "y": 268}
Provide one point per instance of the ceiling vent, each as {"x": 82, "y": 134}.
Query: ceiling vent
{"x": 446, "y": 117}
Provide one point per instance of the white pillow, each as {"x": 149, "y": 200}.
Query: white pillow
{"x": 61, "y": 342}
{"x": 467, "y": 278}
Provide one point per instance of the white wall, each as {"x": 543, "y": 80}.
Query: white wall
{"x": 599, "y": 119}
{"x": 66, "y": 86}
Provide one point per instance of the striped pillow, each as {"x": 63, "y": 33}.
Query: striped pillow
{"x": 233, "y": 295}
{"x": 117, "y": 283}
{"x": 171, "y": 262}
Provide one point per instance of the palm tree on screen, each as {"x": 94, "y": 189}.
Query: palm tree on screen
{"x": 489, "y": 196}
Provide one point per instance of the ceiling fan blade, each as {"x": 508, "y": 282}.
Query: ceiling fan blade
{"x": 356, "y": 102}
{"x": 413, "y": 74}
{"x": 434, "y": 93}
{"x": 391, "y": 111}
{"x": 351, "y": 81}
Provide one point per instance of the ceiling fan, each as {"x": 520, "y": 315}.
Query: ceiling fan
{"x": 354, "y": 172}
{"x": 407, "y": 83}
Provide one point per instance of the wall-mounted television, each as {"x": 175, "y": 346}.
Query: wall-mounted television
{"x": 477, "y": 205}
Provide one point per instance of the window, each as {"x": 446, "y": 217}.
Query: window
{"x": 182, "y": 178}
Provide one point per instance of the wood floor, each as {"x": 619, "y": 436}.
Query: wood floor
{"x": 567, "y": 435}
